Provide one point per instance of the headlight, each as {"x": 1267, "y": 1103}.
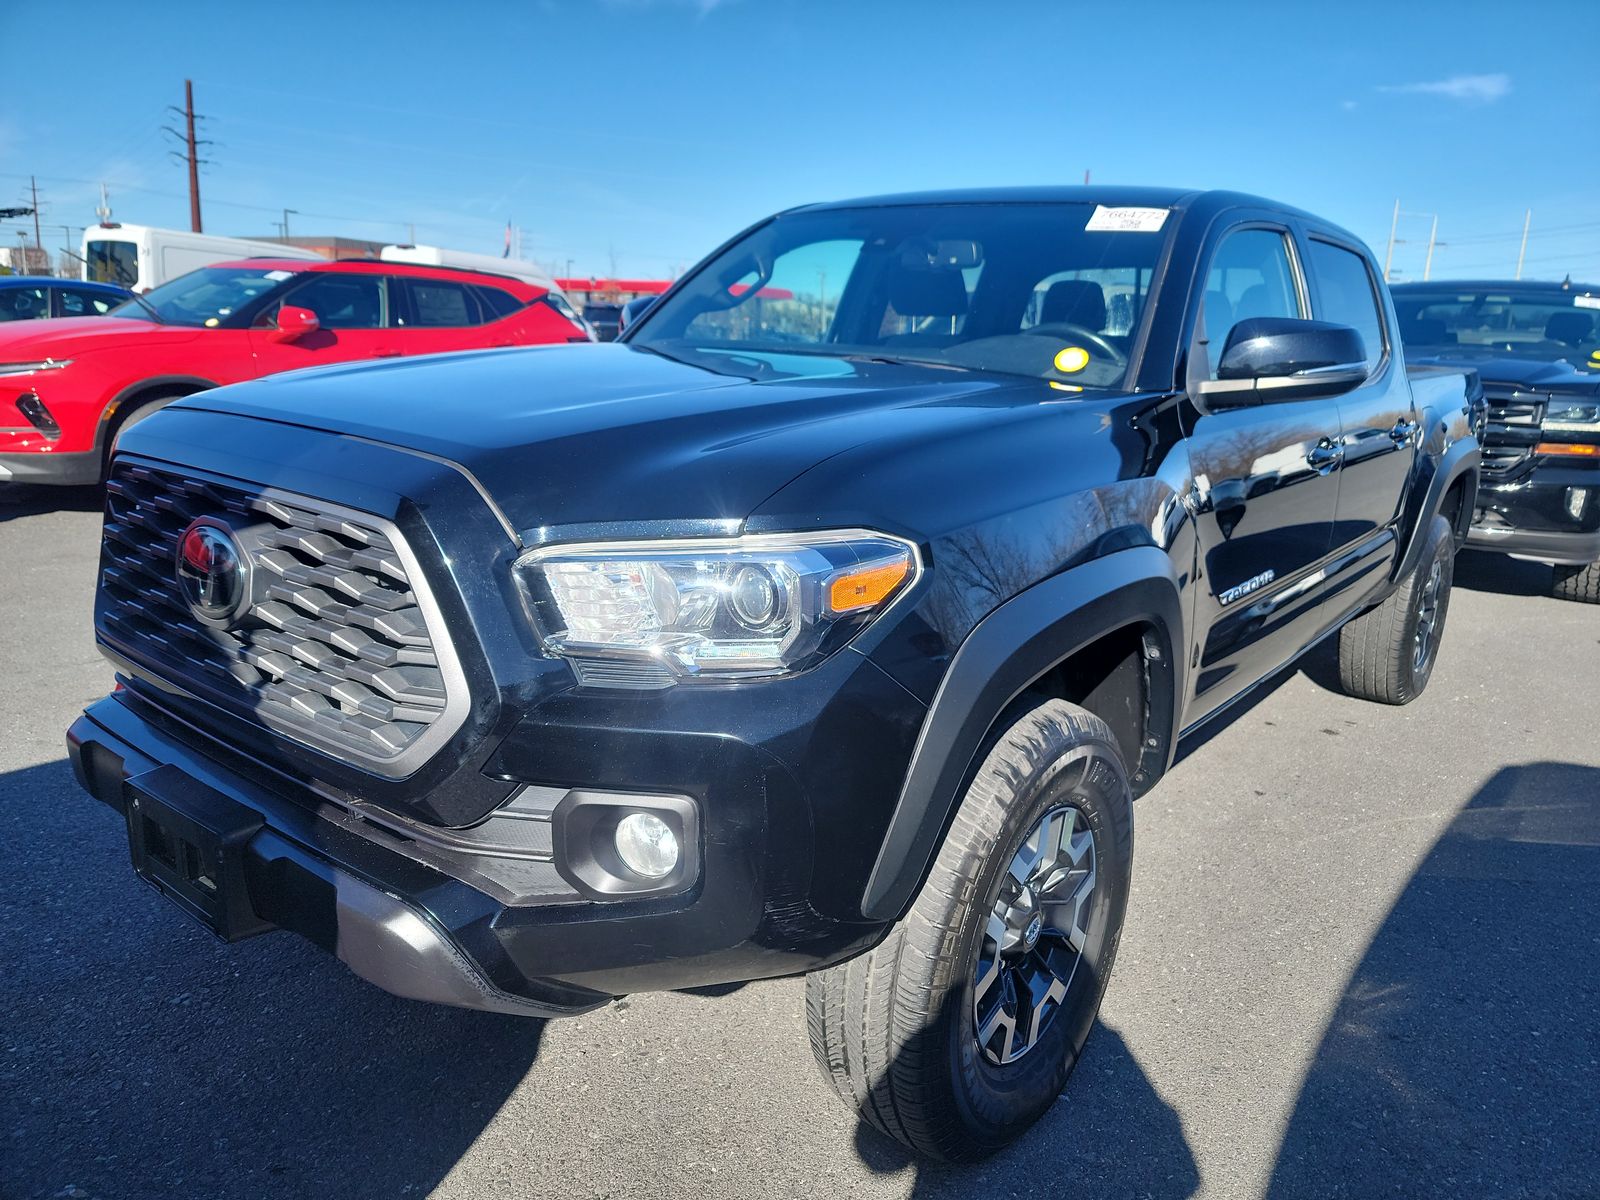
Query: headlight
{"x": 1563, "y": 414}
{"x": 765, "y": 604}
{"x": 28, "y": 368}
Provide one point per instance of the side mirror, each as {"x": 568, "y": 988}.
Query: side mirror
{"x": 294, "y": 322}
{"x": 633, "y": 310}
{"x": 1284, "y": 358}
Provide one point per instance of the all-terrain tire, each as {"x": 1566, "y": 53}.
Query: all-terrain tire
{"x": 1387, "y": 653}
{"x": 894, "y": 1029}
{"x": 1578, "y": 583}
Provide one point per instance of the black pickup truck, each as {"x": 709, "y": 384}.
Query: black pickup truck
{"x": 829, "y": 623}
{"x": 1536, "y": 347}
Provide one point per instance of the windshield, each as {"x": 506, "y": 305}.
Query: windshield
{"x": 112, "y": 262}
{"x": 206, "y": 297}
{"x": 1022, "y": 289}
{"x": 1481, "y": 322}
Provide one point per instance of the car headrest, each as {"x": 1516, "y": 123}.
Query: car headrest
{"x": 1256, "y": 302}
{"x": 927, "y": 292}
{"x": 1079, "y": 302}
{"x": 1426, "y": 331}
{"x": 1573, "y": 328}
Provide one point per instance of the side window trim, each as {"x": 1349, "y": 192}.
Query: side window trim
{"x": 1382, "y": 309}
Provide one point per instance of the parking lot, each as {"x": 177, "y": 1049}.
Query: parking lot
{"x": 1361, "y": 959}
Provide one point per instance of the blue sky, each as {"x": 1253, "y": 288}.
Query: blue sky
{"x": 640, "y": 133}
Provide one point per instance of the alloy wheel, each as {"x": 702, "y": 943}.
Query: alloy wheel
{"x": 1035, "y": 936}
{"x": 1428, "y": 615}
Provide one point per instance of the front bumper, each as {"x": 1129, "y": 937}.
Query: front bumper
{"x": 392, "y": 920}
{"x": 53, "y": 468}
{"x": 1551, "y": 516}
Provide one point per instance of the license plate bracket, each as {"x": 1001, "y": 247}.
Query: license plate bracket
{"x": 187, "y": 840}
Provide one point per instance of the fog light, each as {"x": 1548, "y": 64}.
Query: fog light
{"x": 1575, "y": 500}
{"x": 646, "y": 845}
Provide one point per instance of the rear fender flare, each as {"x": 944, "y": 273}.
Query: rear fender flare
{"x": 1010, "y": 649}
{"x": 1445, "y": 465}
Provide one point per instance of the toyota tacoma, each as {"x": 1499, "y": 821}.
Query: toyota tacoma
{"x": 827, "y": 624}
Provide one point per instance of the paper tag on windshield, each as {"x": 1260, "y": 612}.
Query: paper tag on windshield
{"x": 1587, "y": 301}
{"x": 279, "y": 276}
{"x": 1126, "y": 220}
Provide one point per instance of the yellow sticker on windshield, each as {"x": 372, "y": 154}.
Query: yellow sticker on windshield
{"x": 1073, "y": 358}
{"x": 211, "y": 322}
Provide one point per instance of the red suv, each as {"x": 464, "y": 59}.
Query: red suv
{"x": 67, "y": 388}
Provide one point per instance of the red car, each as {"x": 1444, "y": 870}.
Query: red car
{"x": 68, "y": 387}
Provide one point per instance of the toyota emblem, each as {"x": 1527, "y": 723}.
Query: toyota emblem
{"x": 213, "y": 573}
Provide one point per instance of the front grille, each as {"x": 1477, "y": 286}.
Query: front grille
{"x": 333, "y": 647}
{"x": 1512, "y": 430}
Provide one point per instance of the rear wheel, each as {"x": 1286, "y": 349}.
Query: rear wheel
{"x": 960, "y": 1029}
{"x": 1387, "y": 653}
{"x": 1578, "y": 583}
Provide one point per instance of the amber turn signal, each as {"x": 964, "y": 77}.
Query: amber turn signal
{"x": 866, "y": 586}
{"x": 1572, "y": 449}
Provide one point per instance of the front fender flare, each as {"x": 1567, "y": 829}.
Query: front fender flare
{"x": 1006, "y": 652}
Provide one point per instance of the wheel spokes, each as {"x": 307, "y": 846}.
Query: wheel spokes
{"x": 1036, "y": 932}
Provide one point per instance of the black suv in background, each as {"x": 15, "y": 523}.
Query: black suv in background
{"x": 1537, "y": 348}
{"x": 829, "y": 623}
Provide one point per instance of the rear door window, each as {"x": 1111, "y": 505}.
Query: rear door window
{"x": 1347, "y": 295}
{"x": 442, "y": 303}
{"x": 77, "y": 303}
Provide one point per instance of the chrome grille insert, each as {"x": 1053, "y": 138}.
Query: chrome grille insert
{"x": 339, "y": 647}
{"x": 1512, "y": 430}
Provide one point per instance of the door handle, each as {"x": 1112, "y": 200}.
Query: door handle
{"x": 1403, "y": 432}
{"x": 1325, "y": 455}
{"x": 388, "y": 354}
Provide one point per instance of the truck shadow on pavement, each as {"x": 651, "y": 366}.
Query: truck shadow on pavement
{"x": 29, "y": 500}
{"x": 1464, "y": 1056}
{"x": 1109, "y": 1134}
{"x": 1499, "y": 573}
{"x": 141, "y": 1057}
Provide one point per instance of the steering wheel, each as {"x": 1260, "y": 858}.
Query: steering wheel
{"x": 1077, "y": 334}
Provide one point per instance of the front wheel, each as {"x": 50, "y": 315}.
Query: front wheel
{"x": 1581, "y": 583}
{"x": 960, "y": 1029}
{"x": 1387, "y": 653}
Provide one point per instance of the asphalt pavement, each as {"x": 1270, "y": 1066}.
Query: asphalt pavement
{"x": 1362, "y": 958}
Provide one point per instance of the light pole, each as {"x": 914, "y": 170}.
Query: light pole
{"x": 285, "y": 222}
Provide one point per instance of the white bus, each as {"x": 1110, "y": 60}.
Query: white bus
{"x": 141, "y": 257}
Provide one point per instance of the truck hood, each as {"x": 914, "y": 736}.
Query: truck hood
{"x": 1532, "y": 374}
{"x": 601, "y": 435}
{"x": 63, "y": 337}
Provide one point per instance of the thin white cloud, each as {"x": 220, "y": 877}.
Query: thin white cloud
{"x": 1466, "y": 89}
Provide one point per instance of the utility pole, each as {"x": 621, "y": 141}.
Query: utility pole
{"x": 194, "y": 165}
{"x": 284, "y": 224}
{"x": 1527, "y": 219}
{"x": 1394, "y": 226}
{"x": 191, "y": 150}
{"x": 1433, "y": 240}
{"x": 34, "y": 184}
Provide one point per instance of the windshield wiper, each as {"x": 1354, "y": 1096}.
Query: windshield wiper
{"x": 149, "y": 308}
